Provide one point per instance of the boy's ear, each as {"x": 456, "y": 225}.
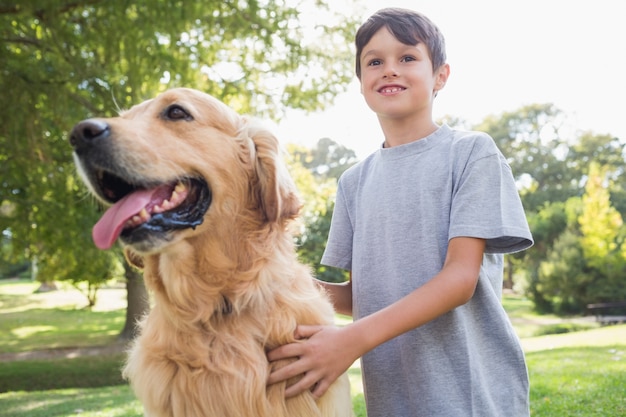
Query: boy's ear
{"x": 442, "y": 74}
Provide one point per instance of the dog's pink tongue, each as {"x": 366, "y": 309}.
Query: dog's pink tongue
{"x": 109, "y": 227}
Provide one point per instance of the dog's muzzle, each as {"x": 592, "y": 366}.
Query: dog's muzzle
{"x": 142, "y": 211}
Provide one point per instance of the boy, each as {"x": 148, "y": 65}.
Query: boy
{"x": 421, "y": 224}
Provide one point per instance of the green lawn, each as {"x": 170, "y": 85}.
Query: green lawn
{"x": 111, "y": 401}
{"x": 58, "y": 319}
{"x": 579, "y": 381}
{"x": 578, "y": 373}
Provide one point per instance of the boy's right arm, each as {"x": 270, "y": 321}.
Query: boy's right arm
{"x": 340, "y": 294}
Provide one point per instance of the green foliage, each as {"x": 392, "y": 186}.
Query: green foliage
{"x": 311, "y": 247}
{"x": 584, "y": 262}
{"x": 560, "y": 328}
{"x": 546, "y": 225}
{"x": 315, "y": 172}
{"x": 599, "y": 222}
{"x": 565, "y": 277}
{"x": 327, "y": 159}
{"x": 529, "y": 138}
{"x": 252, "y": 55}
{"x": 577, "y": 257}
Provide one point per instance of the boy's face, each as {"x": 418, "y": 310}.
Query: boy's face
{"x": 397, "y": 80}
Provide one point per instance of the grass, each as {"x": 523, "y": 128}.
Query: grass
{"x": 577, "y": 373}
{"x": 56, "y": 328}
{"x": 578, "y": 381}
{"x": 33, "y": 321}
{"x": 529, "y": 323}
{"x": 83, "y": 372}
{"x": 113, "y": 401}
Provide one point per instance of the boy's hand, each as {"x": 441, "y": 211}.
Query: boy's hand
{"x": 322, "y": 358}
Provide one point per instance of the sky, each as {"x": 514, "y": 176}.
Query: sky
{"x": 503, "y": 54}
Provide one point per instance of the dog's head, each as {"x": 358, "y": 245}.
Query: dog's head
{"x": 171, "y": 166}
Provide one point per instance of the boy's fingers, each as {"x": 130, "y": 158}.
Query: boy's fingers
{"x": 306, "y": 383}
{"x": 286, "y": 372}
{"x": 305, "y": 331}
{"x": 320, "y": 388}
{"x": 283, "y": 352}
{"x": 279, "y": 375}
{"x": 293, "y": 350}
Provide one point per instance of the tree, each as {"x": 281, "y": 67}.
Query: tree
{"x": 530, "y": 140}
{"x": 62, "y": 61}
{"x": 316, "y": 172}
{"x": 328, "y": 159}
{"x": 608, "y": 152}
{"x": 602, "y": 230}
{"x": 316, "y": 194}
{"x": 140, "y": 304}
{"x": 551, "y": 164}
{"x": 599, "y": 222}
{"x": 585, "y": 260}
{"x": 564, "y": 276}
{"x": 546, "y": 225}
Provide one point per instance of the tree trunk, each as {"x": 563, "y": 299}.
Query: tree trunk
{"x": 508, "y": 274}
{"x": 137, "y": 299}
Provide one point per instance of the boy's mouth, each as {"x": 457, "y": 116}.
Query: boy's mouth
{"x": 391, "y": 89}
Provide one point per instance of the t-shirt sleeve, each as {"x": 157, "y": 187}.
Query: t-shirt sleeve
{"x": 487, "y": 205}
{"x": 338, "y": 251}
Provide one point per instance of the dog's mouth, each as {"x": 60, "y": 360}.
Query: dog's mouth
{"x": 145, "y": 211}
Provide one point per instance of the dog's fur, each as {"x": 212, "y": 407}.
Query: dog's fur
{"x": 225, "y": 291}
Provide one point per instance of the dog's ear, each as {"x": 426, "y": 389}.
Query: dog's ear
{"x": 277, "y": 193}
{"x": 133, "y": 258}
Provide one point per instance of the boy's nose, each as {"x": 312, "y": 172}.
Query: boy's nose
{"x": 390, "y": 72}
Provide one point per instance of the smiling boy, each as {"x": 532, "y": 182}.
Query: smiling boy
{"x": 422, "y": 225}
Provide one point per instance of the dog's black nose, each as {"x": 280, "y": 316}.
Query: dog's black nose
{"x": 89, "y": 131}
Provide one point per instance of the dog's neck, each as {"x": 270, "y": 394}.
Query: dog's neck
{"x": 196, "y": 290}
{"x": 199, "y": 281}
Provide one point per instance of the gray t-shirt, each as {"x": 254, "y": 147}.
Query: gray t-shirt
{"x": 394, "y": 215}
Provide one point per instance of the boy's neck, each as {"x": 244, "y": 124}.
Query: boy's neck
{"x": 402, "y": 133}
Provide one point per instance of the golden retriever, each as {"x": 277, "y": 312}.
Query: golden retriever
{"x": 202, "y": 201}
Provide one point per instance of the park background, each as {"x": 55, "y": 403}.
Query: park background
{"x": 544, "y": 78}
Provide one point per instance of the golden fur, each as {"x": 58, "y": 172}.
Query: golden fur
{"x": 230, "y": 289}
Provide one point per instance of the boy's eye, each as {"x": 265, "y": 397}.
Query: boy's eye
{"x": 374, "y": 62}
{"x": 407, "y": 58}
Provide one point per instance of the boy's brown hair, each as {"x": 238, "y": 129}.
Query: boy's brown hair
{"x": 409, "y": 27}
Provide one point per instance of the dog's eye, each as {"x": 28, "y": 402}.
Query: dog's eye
{"x": 176, "y": 112}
